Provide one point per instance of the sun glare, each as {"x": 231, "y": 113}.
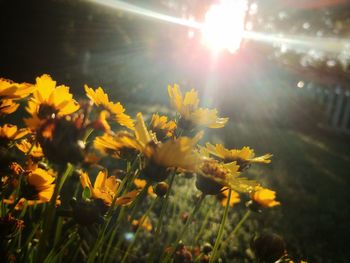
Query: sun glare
{"x": 223, "y": 27}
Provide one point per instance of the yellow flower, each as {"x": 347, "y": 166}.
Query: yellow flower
{"x": 105, "y": 189}
{"x": 191, "y": 114}
{"x": 121, "y": 145}
{"x": 174, "y": 153}
{"x": 265, "y": 197}
{"x": 11, "y": 132}
{"x": 162, "y": 127}
{"x": 242, "y": 156}
{"x": 50, "y": 101}
{"x": 28, "y": 148}
{"x": 42, "y": 181}
{"x": 8, "y": 106}
{"x": 100, "y": 98}
{"x": 39, "y": 190}
{"x": 143, "y": 222}
{"x": 214, "y": 175}
{"x": 223, "y": 196}
{"x": 12, "y": 90}
{"x": 140, "y": 184}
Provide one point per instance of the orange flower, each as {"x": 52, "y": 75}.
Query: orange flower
{"x": 265, "y": 197}
{"x": 11, "y": 132}
{"x": 105, "y": 188}
{"x": 100, "y": 98}
{"x": 12, "y": 90}
{"x": 223, "y": 196}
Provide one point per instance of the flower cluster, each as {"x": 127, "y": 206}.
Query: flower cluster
{"x": 48, "y": 164}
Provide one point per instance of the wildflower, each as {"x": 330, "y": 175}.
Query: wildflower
{"x": 143, "y": 222}
{"x": 140, "y": 184}
{"x": 12, "y": 90}
{"x": 100, "y": 98}
{"x": 7, "y": 106}
{"x": 191, "y": 114}
{"x": 214, "y": 175}
{"x": 105, "y": 188}
{"x": 162, "y": 127}
{"x": 38, "y": 189}
{"x": 223, "y": 196}
{"x": 66, "y": 131}
{"x": 243, "y": 157}
{"x": 34, "y": 150}
{"x": 175, "y": 153}
{"x": 49, "y": 101}
{"x": 264, "y": 197}
{"x": 9, "y": 132}
{"x": 122, "y": 145}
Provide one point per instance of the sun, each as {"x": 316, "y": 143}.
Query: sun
{"x": 223, "y": 27}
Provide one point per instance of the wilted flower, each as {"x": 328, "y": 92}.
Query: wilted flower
{"x": 182, "y": 254}
{"x": 105, "y": 188}
{"x": 243, "y": 157}
{"x": 191, "y": 114}
{"x": 100, "y": 98}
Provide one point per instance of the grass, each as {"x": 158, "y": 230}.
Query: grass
{"x": 310, "y": 172}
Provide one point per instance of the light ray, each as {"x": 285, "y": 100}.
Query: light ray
{"x": 120, "y": 5}
{"x": 295, "y": 42}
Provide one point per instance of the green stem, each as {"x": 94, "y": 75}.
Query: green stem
{"x": 202, "y": 227}
{"x": 101, "y": 237}
{"x": 165, "y": 204}
{"x": 138, "y": 230}
{"x": 234, "y": 231}
{"x": 50, "y": 213}
{"x": 179, "y": 237}
{"x": 221, "y": 229}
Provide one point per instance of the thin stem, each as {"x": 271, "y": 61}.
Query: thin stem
{"x": 138, "y": 230}
{"x": 234, "y": 231}
{"x": 202, "y": 227}
{"x": 50, "y": 212}
{"x": 221, "y": 229}
{"x": 165, "y": 204}
{"x": 179, "y": 237}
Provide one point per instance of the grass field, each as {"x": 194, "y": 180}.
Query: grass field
{"x": 310, "y": 172}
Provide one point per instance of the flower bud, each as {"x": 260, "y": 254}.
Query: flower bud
{"x": 161, "y": 189}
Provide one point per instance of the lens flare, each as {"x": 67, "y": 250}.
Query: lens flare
{"x": 223, "y": 27}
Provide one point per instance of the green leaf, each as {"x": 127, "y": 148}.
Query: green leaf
{"x": 86, "y": 193}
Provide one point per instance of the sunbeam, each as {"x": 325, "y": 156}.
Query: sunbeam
{"x": 232, "y": 40}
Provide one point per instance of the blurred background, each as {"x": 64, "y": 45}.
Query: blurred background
{"x": 284, "y": 83}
